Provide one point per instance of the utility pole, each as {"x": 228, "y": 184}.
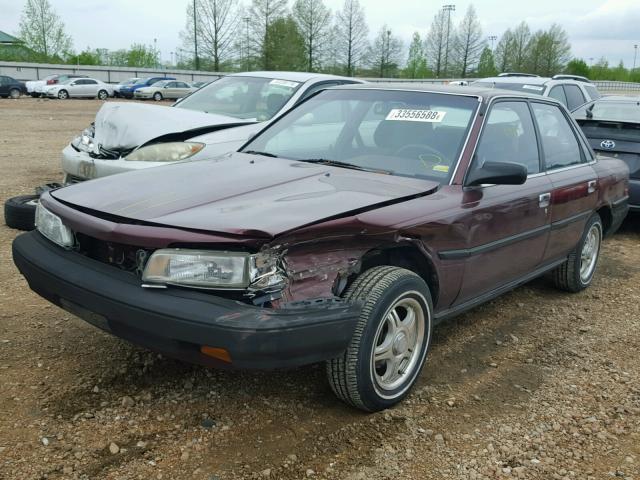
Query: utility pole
{"x": 635, "y": 56}
{"x": 492, "y": 39}
{"x": 448, "y": 9}
{"x": 195, "y": 37}
{"x": 246, "y": 39}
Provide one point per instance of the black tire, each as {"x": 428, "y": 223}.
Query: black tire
{"x": 20, "y": 212}
{"x": 353, "y": 375}
{"x": 63, "y": 95}
{"x": 569, "y": 275}
{"x": 14, "y": 93}
{"x": 157, "y": 96}
{"x": 103, "y": 95}
{"x": 34, "y": 94}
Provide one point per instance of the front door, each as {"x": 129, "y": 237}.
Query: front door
{"x": 507, "y": 226}
{"x": 568, "y": 165}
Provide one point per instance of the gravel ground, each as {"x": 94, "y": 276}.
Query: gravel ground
{"x": 538, "y": 384}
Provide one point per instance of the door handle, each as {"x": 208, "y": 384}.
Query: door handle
{"x": 544, "y": 200}
{"x": 592, "y": 186}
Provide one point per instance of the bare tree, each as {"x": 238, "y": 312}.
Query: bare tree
{"x": 520, "y": 39}
{"x": 436, "y": 43}
{"x": 262, "y": 14}
{"x": 386, "y": 52}
{"x": 217, "y": 23}
{"x": 468, "y": 44}
{"x": 42, "y": 30}
{"x": 504, "y": 52}
{"x": 351, "y": 35}
{"x": 314, "y": 22}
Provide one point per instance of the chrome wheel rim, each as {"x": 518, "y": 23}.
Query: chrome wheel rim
{"x": 397, "y": 351}
{"x": 589, "y": 254}
{"x": 14, "y": 93}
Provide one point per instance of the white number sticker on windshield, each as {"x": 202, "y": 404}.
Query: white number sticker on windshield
{"x": 284, "y": 83}
{"x": 533, "y": 87}
{"x": 409, "y": 115}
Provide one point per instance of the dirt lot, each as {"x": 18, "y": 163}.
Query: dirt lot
{"x": 538, "y": 384}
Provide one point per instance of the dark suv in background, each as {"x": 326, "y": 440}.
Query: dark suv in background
{"x": 570, "y": 90}
{"x": 10, "y": 87}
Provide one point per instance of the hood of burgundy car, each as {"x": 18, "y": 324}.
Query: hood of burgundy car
{"x": 241, "y": 194}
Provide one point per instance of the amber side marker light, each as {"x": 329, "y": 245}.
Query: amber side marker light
{"x": 217, "y": 353}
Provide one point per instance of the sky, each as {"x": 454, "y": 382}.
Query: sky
{"x": 605, "y": 28}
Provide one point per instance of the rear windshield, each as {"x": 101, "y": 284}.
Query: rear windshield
{"x": 518, "y": 87}
{"x": 412, "y": 134}
{"x": 617, "y": 111}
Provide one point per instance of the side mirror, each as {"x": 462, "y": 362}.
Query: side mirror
{"x": 498, "y": 173}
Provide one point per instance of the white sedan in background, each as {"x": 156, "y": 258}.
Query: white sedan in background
{"x": 170, "y": 89}
{"x": 80, "y": 88}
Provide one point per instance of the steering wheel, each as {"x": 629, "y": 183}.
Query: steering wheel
{"x": 418, "y": 148}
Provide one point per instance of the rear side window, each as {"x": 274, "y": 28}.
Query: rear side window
{"x": 557, "y": 92}
{"x": 575, "y": 98}
{"x": 509, "y": 136}
{"x": 559, "y": 142}
{"x": 593, "y": 92}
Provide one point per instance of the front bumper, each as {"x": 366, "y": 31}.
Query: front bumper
{"x": 177, "y": 322}
{"x": 142, "y": 95}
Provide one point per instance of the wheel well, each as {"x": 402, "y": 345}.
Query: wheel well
{"x": 409, "y": 257}
{"x": 607, "y": 219}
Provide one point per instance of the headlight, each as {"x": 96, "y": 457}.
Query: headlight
{"x": 51, "y": 226}
{"x": 209, "y": 269}
{"x": 165, "y": 152}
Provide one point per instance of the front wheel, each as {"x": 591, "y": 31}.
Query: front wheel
{"x": 390, "y": 342}
{"x": 103, "y": 95}
{"x": 157, "y": 96}
{"x": 63, "y": 94}
{"x": 14, "y": 93}
{"x": 576, "y": 273}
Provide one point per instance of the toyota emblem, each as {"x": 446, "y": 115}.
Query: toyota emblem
{"x": 608, "y": 144}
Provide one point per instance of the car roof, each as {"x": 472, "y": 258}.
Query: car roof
{"x": 482, "y": 92}
{"x": 527, "y": 80}
{"x": 293, "y": 76}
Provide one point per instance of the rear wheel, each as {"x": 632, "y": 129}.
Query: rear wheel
{"x": 63, "y": 94}
{"x": 576, "y": 273}
{"x": 103, "y": 95}
{"x": 34, "y": 94}
{"x": 390, "y": 342}
{"x": 14, "y": 93}
{"x": 20, "y": 212}
{"x": 157, "y": 96}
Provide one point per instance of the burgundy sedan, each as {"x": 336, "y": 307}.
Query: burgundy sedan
{"x": 343, "y": 233}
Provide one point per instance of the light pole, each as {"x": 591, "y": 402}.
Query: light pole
{"x": 448, "y": 9}
{"x": 195, "y": 37}
{"x": 492, "y": 39}
{"x": 155, "y": 52}
{"x": 635, "y": 56}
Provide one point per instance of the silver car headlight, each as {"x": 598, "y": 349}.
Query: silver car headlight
{"x": 50, "y": 225}
{"x": 214, "y": 270}
{"x": 165, "y": 152}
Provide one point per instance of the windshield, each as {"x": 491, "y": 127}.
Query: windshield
{"x": 402, "y": 133}
{"x": 518, "y": 87}
{"x": 242, "y": 97}
{"x": 142, "y": 81}
{"x": 616, "y": 111}
{"x": 161, "y": 83}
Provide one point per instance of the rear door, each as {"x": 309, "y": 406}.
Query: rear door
{"x": 568, "y": 164}
{"x": 507, "y": 225}
{"x": 90, "y": 88}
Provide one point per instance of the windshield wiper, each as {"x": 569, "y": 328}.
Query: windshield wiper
{"x": 264, "y": 154}
{"x": 338, "y": 163}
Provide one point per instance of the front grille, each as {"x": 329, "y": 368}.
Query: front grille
{"x": 124, "y": 257}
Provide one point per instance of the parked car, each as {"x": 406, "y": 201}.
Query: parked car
{"x": 128, "y": 91}
{"x": 79, "y": 88}
{"x": 11, "y": 88}
{"x": 164, "y": 89}
{"x": 612, "y": 126}
{"x": 35, "y": 88}
{"x": 567, "y": 89}
{"x": 342, "y": 232}
{"x": 125, "y": 83}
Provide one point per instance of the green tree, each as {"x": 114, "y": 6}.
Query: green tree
{"x": 262, "y": 14}
{"x": 314, "y": 23}
{"x": 577, "y": 66}
{"x": 487, "y": 65}
{"x": 42, "y": 30}
{"x": 504, "y": 52}
{"x": 140, "y": 55}
{"x": 385, "y": 53}
{"x": 520, "y": 37}
{"x": 285, "y": 45}
{"x": 436, "y": 43}
{"x": 417, "y": 61}
{"x": 86, "y": 57}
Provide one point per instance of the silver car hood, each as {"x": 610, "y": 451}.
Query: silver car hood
{"x": 123, "y": 126}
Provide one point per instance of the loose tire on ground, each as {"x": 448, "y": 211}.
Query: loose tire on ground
{"x": 577, "y": 272}
{"x": 20, "y": 212}
{"x": 382, "y": 336}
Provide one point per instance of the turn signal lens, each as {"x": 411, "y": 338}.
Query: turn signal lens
{"x": 217, "y": 353}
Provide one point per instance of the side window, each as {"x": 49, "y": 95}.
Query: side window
{"x": 557, "y": 92}
{"x": 4, "y": 80}
{"x": 171, "y": 85}
{"x": 90, "y": 82}
{"x": 593, "y": 92}
{"x": 509, "y": 136}
{"x": 575, "y": 98}
{"x": 559, "y": 142}
{"x": 181, "y": 85}
{"x": 79, "y": 82}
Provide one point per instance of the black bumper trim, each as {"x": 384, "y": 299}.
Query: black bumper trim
{"x": 178, "y": 321}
